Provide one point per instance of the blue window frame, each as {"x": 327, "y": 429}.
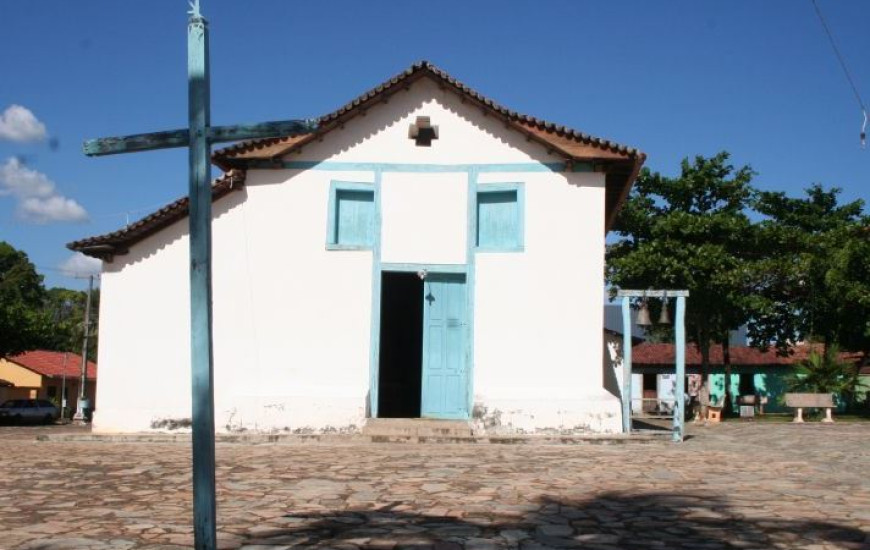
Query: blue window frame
{"x": 499, "y": 216}
{"x": 351, "y": 219}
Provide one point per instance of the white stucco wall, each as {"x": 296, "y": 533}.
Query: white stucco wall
{"x": 292, "y": 320}
{"x": 538, "y": 314}
{"x": 144, "y": 346}
{"x": 423, "y": 218}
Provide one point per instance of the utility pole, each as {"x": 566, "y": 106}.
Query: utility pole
{"x": 63, "y": 388}
{"x": 79, "y": 417}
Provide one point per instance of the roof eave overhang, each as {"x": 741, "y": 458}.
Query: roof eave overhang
{"x": 106, "y": 247}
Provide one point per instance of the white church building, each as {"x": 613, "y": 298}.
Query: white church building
{"x": 426, "y": 253}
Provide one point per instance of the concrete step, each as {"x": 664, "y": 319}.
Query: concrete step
{"x": 416, "y": 427}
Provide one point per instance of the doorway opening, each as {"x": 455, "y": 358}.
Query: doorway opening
{"x": 650, "y": 391}
{"x": 400, "y": 366}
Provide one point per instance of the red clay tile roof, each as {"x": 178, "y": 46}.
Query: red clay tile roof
{"x": 52, "y": 363}
{"x": 620, "y": 163}
{"x": 118, "y": 242}
{"x": 649, "y": 354}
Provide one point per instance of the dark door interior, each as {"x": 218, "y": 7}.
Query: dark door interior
{"x": 401, "y": 349}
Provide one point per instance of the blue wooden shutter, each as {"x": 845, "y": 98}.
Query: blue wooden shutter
{"x": 498, "y": 220}
{"x": 354, "y": 217}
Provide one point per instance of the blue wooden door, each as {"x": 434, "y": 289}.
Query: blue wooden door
{"x": 445, "y": 371}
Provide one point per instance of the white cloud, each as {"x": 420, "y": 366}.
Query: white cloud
{"x": 19, "y": 180}
{"x": 79, "y": 265}
{"x": 18, "y": 123}
{"x": 51, "y": 209}
{"x": 38, "y": 199}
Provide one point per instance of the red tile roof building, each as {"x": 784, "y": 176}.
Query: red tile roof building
{"x": 650, "y": 354}
{"x": 54, "y": 364}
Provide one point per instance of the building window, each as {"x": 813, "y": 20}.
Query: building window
{"x": 351, "y": 216}
{"x": 500, "y": 217}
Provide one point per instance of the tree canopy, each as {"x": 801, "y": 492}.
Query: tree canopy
{"x": 811, "y": 282}
{"x": 32, "y": 317}
{"x": 689, "y": 232}
{"x": 23, "y": 324}
{"x": 791, "y": 268}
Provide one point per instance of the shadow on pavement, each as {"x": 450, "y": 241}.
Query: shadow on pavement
{"x": 608, "y": 521}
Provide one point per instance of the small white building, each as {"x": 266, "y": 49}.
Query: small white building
{"x": 425, "y": 253}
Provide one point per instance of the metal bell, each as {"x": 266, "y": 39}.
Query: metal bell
{"x": 665, "y": 317}
{"x": 643, "y": 319}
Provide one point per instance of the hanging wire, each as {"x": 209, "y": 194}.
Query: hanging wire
{"x": 845, "y": 71}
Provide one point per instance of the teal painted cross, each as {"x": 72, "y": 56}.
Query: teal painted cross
{"x": 198, "y": 137}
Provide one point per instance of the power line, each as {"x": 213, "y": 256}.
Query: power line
{"x": 844, "y": 67}
{"x": 67, "y": 272}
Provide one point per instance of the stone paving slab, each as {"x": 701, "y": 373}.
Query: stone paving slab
{"x": 734, "y": 485}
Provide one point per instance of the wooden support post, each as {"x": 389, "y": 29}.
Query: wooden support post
{"x": 626, "y": 364}
{"x": 678, "y": 430}
{"x": 204, "y": 507}
{"x": 680, "y": 344}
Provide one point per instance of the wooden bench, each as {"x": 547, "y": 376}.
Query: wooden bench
{"x": 801, "y": 401}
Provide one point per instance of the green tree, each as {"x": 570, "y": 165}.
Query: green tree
{"x": 826, "y": 373}
{"x": 848, "y": 278}
{"x": 690, "y": 232}
{"x": 812, "y": 281}
{"x": 66, "y": 307}
{"x": 23, "y": 322}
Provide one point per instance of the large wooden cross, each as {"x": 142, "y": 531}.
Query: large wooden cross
{"x": 198, "y": 137}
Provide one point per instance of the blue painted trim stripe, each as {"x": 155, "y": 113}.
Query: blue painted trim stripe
{"x": 434, "y": 268}
{"x": 375, "y": 329}
{"x": 470, "y": 282}
{"x": 422, "y": 168}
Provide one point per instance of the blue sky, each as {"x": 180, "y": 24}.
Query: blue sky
{"x": 675, "y": 78}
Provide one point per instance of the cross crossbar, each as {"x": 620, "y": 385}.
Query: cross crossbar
{"x": 181, "y": 138}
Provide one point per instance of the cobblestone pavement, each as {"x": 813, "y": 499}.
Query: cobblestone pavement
{"x": 731, "y": 486}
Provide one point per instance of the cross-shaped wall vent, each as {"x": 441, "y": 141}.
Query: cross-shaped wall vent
{"x": 422, "y": 132}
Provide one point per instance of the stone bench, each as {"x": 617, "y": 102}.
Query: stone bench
{"x": 801, "y": 401}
